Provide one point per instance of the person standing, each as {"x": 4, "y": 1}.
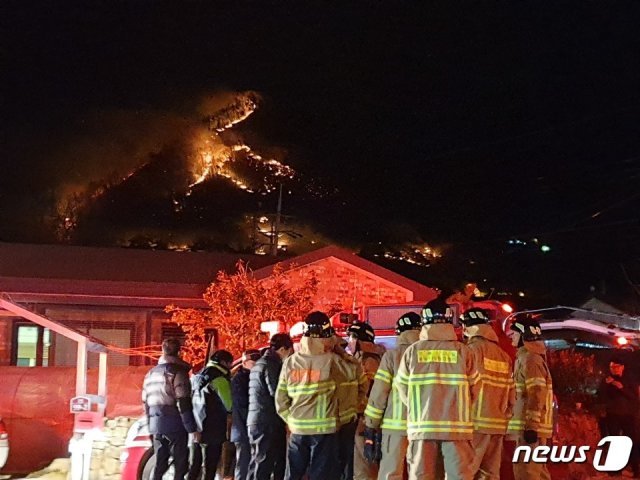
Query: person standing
{"x": 351, "y": 392}
{"x": 361, "y": 345}
{"x": 619, "y": 396}
{"x": 211, "y": 405}
{"x": 240, "y": 400}
{"x": 493, "y": 406}
{"x": 306, "y": 401}
{"x": 532, "y": 421}
{"x": 166, "y": 395}
{"x": 385, "y": 410}
{"x": 436, "y": 380}
{"x": 266, "y": 431}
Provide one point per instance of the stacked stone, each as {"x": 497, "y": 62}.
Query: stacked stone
{"x": 105, "y": 456}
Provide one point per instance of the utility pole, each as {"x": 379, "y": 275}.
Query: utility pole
{"x": 275, "y": 232}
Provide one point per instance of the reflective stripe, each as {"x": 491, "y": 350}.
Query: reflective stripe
{"x": 384, "y": 376}
{"x": 373, "y": 412}
{"x": 310, "y": 388}
{"x": 394, "y": 424}
{"x": 540, "y": 381}
{"x": 348, "y": 414}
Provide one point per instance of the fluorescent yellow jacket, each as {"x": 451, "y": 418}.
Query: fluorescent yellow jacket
{"x": 534, "y": 392}
{"x": 306, "y": 395}
{"x": 436, "y": 380}
{"x": 385, "y": 409}
{"x": 493, "y": 405}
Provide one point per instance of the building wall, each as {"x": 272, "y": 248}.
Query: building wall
{"x": 340, "y": 282}
{"x": 6, "y": 325}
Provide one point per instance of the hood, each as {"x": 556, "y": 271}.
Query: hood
{"x": 483, "y": 330}
{"x": 173, "y": 359}
{"x": 408, "y": 337}
{"x": 315, "y": 346}
{"x": 438, "y": 331}
{"x": 535, "y": 347}
{"x": 370, "y": 347}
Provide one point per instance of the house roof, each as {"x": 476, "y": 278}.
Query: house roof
{"x": 131, "y": 277}
{"x": 420, "y": 292}
{"x": 113, "y": 276}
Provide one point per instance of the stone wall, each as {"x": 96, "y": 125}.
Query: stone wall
{"x": 105, "y": 456}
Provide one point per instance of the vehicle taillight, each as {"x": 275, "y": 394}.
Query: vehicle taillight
{"x": 3, "y": 431}
{"x": 622, "y": 341}
{"x": 507, "y": 308}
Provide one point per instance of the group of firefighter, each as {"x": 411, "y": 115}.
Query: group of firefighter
{"x": 431, "y": 406}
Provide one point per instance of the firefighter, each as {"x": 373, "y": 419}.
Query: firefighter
{"x": 532, "y": 421}
{"x": 493, "y": 406}
{"x": 351, "y": 392}
{"x": 385, "y": 410}
{"x": 306, "y": 401}
{"x": 360, "y": 344}
{"x": 436, "y": 380}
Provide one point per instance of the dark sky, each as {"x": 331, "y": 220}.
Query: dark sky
{"x": 469, "y": 122}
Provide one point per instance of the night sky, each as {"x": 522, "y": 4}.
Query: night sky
{"x": 459, "y": 124}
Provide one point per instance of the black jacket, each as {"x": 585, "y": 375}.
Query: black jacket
{"x": 240, "y": 395}
{"x": 619, "y": 401}
{"x": 166, "y": 394}
{"x": 263, "y": 382}
{"x": 212, "y": 402}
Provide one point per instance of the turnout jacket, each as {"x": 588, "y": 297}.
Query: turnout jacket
{"x": 306, "y": 396}
{"x": 534, "y": 392}
{"x": 436, "y": 380}
{"x": 351, "y": 386}
{"x": 385, "y": 409}
{"x": 493, "y": 406}
{"x": 369, "y": 355}
{"x": 166, "y": 395}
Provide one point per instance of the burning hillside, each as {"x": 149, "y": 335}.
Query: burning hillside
{"x": 209, "y": 150}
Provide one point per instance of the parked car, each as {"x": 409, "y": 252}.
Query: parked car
{"x": 4, "y": 443}
{"x": 567, "y": 327}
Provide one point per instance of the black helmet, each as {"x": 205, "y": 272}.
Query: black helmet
{"x": 528, "y": 327}
{"x": 362, "y": 331}
{"x": 318, "y": 325}
{"x": 437, "y": 311}
{"x": 474, "y": 316}
{"x": 408, "y": 321}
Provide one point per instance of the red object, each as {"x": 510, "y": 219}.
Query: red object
{"x": 622, "y": 340}
{"x": 34, "y": 404}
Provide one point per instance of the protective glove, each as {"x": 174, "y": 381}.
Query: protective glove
{"x": 530, "y": 436}
{"x": 372, "y": 445}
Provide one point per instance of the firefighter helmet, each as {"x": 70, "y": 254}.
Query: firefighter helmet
{"x": 437, "y": 311}
{"x": 318, "y": 325}
{"x": 362, "y": 331}
{"x": 528, "y": 327}
{"x": 474, "y": 316}
{"x": 408, "y": 321}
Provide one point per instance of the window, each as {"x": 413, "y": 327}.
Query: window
{"x": 32, "y": 345}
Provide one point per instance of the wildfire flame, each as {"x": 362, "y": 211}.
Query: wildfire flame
{"x": 211, "y": 152}
{"x": 215, "y": 157}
